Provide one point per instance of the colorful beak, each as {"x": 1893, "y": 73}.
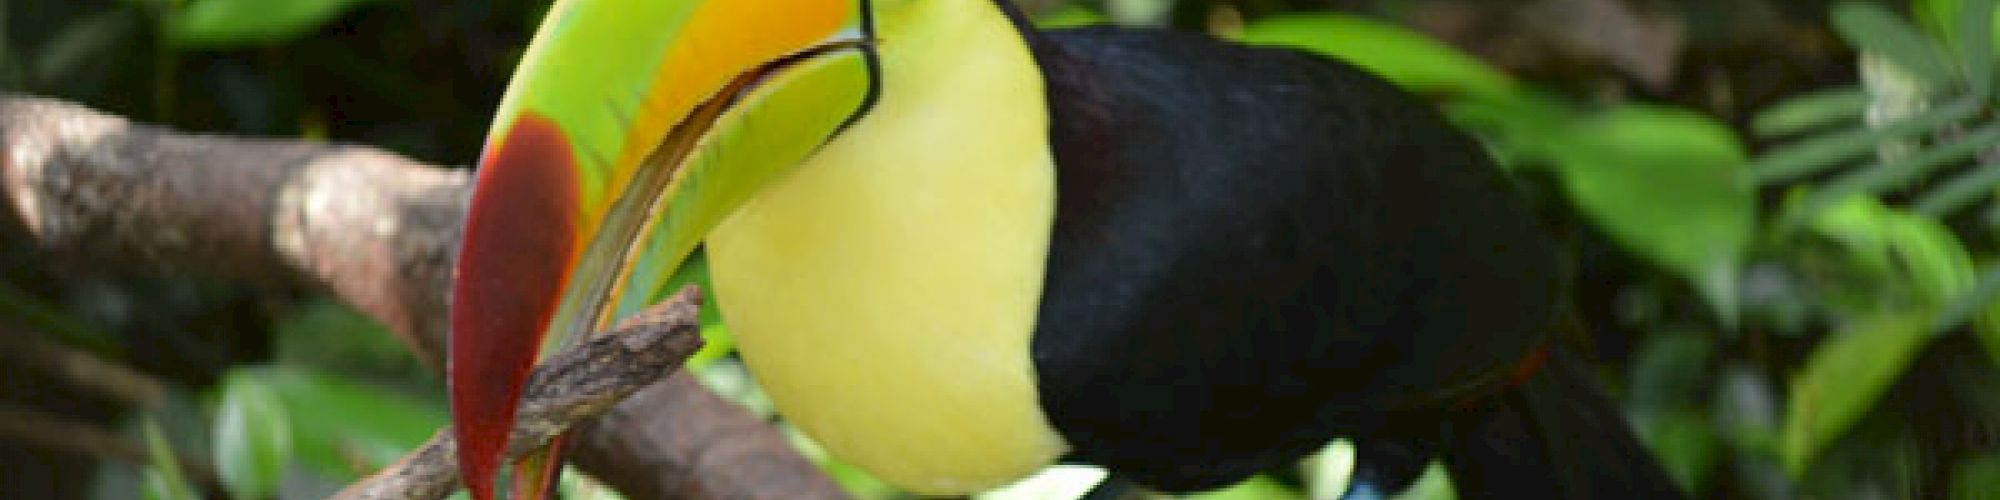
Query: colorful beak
{"x": 624, "y": 137}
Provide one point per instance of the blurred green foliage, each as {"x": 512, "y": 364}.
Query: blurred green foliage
{"x": 164, "y": 479}
{"x": 1678, "y": 188}
{"x": 1401, "y": 55}
{"x": 211, "y": 24}
{"x": 253, "y": 437}
{"x": 1797, "y": 304}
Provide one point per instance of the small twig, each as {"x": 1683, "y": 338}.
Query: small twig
{"x": 36, "y": 428}
{"x": 41, "y": 429}
{"x": 577, "y": 384}
{"x": 81, "y": 369}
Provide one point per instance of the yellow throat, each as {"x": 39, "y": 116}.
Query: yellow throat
{"x": 884, "y": 292}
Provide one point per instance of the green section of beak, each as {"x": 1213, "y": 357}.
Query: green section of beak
{"x": 773, "y": 127}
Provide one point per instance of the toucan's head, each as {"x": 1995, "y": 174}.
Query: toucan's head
{"x": 630, "y": 129}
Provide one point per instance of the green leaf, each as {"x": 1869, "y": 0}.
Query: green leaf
{"x": 1811, "y": 111}
{"x": 1070, "y": 15}
{"x": 1745, "y": 409}
{"x": 1984, "y": 302}
{"x": 1859, "y": 225}
{"x": 1259, "y": 487}
{"x": 164, "y": 479}
{"x": 1515, "y": 127}
{"x": 1409, "y": 59}
{"x": 1686, "y": 444}
{"x": 1975, "y": 51}
{"x": 1937, "y": 17}
{"x": 1824, "y": 152}
{"x": 1914, "y": 252}
{"x": 1938, "y": 265}
{"x": 221, "y": 24}
{"x": 1942, "y": 18}
{"x": 1978, "y": 478}
{"x": 1879, "y": 177}
{"x": 1435, "y": 484}
{"x": 1844, "y": 377}
{"x": 1667, "y": 184}
{"x": 162, "y": 486}
{"x": 1874, "y": 29}
{"x": 1963, "y": 189}
{"x": 1668, "y": 372}
{"x": 337, "y": 423}
{"x": 253, "y": 436}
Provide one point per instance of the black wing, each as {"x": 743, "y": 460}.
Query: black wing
{"x": 1256, "y": 250}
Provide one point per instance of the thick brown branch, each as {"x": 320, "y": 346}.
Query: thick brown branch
{"x": 576, "y": 384}
{"x": 373, "y": 228}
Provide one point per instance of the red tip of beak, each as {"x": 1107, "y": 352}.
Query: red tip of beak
{"x": 520, "y": 237}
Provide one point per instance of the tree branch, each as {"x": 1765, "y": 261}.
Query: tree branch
{"x": 573, "y": 385}
{"x": 80, "y": 369}
{"x": 41, "y": 429}
{"x": 372, "y": 228}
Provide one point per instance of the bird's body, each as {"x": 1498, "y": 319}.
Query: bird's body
{"x": 1218, "y": 207}
{"x": 1321, "y": 242}
{"x": 1179, "y": 258}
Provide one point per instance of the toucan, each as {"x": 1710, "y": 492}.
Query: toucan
{"x": 955, "y": 249}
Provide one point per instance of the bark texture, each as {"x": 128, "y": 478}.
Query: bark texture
{"x": 372, "y": 228}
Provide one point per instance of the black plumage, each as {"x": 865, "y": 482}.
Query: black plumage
{"x": 1256, "y": 250}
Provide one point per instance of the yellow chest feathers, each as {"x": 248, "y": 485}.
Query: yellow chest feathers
{"x": 884, "y": 292}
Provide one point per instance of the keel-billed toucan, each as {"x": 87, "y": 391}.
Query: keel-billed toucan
{"x": 954, "y": 249}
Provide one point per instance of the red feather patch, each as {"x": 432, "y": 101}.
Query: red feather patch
{"x": 520, "y": 237}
